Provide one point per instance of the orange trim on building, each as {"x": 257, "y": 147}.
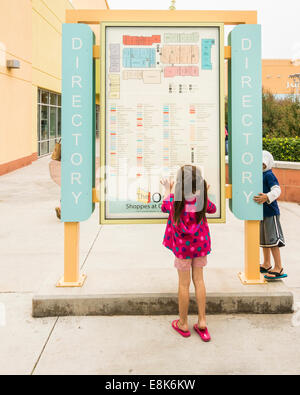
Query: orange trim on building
{"x": 17, "y": 164}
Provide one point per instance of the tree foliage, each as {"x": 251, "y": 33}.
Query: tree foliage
{"x": 281, "y": 118}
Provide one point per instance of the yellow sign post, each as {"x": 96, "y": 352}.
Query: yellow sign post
{"x": 72, "y": 277}
{"x": 252, "y": 274}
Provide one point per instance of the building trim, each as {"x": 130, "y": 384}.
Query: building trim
{"x": 50, "y": 24}
{"x": 15, "y": 77}
{"x": 53, "y": 13}
{"x": 17, "y": 164}
{"x": 44, "y": 72}
{"x": 15, "y": 56}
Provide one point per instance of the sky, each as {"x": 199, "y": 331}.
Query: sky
{"x": 280, "y": 20}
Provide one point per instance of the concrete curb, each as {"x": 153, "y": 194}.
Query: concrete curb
{"x": 160, "y": 304}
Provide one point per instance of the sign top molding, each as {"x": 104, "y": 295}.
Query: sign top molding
{"x": 95, "y": 17}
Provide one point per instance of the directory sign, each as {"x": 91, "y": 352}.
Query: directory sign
{"x": 245, "y": 121}
{"x": 78, "y": 123}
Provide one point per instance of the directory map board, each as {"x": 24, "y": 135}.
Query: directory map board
{"x": 162, "y": 106}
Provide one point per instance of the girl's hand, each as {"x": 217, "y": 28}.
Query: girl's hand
{"x": 167, "y": 183}
{"x": 261, "y": 198}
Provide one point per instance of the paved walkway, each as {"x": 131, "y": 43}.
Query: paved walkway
{"x": 31, "y": 256}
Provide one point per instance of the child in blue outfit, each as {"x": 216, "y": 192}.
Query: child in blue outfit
{"x": 271, "y": 236}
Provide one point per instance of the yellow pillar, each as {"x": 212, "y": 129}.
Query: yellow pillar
{"x": 252, "y": 273}
{"x": 72, "y": 277}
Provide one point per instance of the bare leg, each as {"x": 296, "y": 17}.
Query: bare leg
{"x": 200, "y": 293}
{"x": 184, "y": 298}
{"x": 277, "y": 260}
{"x": 267, "y": 258}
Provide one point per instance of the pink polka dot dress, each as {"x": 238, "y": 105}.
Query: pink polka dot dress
{"x": 187, "y": 240}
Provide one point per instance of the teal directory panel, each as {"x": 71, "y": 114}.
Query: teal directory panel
{"x": 245, "y": 121}
{"x": 78, "y": 123}
{"x": 139, "y": 57}
{"x": 206, "y": 53}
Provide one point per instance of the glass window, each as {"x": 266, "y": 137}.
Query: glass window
{"x": 59, "y": 122}
{"x": 44, "y": 123}
{"x": 39, "y": 123}
{"x": 49, "y": 121}
{"x": 53, "y": 122}
{"x": 53, "y": 99}
{"x": 44, "y": 148}
{"x": 44, "y": 97}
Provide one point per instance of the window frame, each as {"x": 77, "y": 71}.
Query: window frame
{"x": 50, "y": 139}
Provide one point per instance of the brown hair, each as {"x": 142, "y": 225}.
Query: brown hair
{"x": 193, "y": 174}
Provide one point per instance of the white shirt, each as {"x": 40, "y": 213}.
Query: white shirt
{"x": 274, "y": 194}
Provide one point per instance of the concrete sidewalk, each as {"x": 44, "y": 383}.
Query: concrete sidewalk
{"x": 131, "y": 273}
{"x": 241, "y": 344}
{"x": 118, "y": 259}
{"x": 31, "y": 262}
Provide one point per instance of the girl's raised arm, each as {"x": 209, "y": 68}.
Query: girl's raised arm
{"x": 211, "y": 207}
{"x": 167, "y": 203}
{"x": 168, "y": 198}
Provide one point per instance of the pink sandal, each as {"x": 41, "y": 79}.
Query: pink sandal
{"x": 203, "y": 333}
{"x": 182, "y": 333}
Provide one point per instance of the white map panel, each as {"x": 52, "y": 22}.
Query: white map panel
{"x": 162, "y": 110}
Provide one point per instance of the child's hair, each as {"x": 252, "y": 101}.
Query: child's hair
{"x": 189, "y": 181}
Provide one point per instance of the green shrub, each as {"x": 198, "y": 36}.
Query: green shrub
{"x": 283, "y": 149}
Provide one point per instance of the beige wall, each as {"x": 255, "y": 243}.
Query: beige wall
{"x": 94, "y": 5}
{"x": 47, "y": 19}
{"x": 276, "y": 74}
{"x": 15, "y": 85}
{"x": 30, "y": 31}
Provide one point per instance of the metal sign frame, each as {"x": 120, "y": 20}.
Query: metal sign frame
{"x": 221, "y": 164}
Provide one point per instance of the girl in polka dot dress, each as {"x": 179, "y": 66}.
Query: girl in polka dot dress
{"x": 187, "y": 236}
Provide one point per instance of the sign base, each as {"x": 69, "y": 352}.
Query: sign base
{"x": 78, "y": 284}
{"x": 245, "y": 281}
